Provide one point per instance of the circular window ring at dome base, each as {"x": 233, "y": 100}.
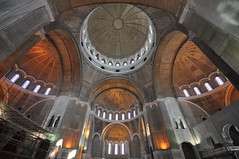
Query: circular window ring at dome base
{"x": 120, "y": 49}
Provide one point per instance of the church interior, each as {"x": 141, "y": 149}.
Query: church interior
{"x": 119, "y": 79}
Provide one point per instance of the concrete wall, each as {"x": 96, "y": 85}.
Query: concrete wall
{"x": 19, "y": 21}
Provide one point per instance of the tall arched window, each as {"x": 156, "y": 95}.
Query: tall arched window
{"x": 186, "y": 93}
{"x": 109, "y": 148}
{"x": 26, "y": 84}
{"x": 110, "y": 116}
{"x": 104, "y": 114}
{"x": 219, "y": 80}
{"x": 57, "y": 121}
{"x": 134, "y": 113}
{"x": 197, "y": 90}
{"x": 129, "y": 115}
{"x": 208, "y": 86}
{"x": 116, "y": 116}
{"x": 123, "y": 116}
{"x": 48, "y": 90}
{"x": 98, "y": 113}
{"x": 122, "y": 148}
{"x": 116, "y": 149}
{"x": 37, "y": 88}
{"x": 15, "y": 78}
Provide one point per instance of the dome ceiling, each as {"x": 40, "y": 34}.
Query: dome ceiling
{"x": 118, "y": 30}
{"x": 43, "y": 63}
{"x": 117, "y": 133}
{"x": 191, "y": 65}
{"x": 116, "y": 99}
{"x": 117, "y": 35}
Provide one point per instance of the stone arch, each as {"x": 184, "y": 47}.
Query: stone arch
{"x": 163, "y": 70}
{"x": 120, "y": 125}
{"x": 117, "y": 83}
{"x": 231, "y": 95}
{"x": 115, "y": 133}
{"x": 68, "y": 50}
{"x": 39, "y": 109}
{"x": 96, "y": 146}
{"x": 135, "y": 147}
{"x": 176, "y": 8}
{"x": 188, "y": 150}
{"x": 231, "y": 134}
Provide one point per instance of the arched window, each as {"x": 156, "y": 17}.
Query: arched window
{"x": 51, "y": 121}
{"x": 186, "y": 93}
{"x": 181, "y": 124}
{"x": 48, "y": 90}
{"x": 104, "y": 114}
{"x": 197, "y": 90}
{"x": 116, "y": 149}
{"x": 219, "y": 80}
{"x": 122, "y": 148}
{"x": 57, "y": 121}
{"x": 98, "y": 113}
{"x": 109, "y": 148}
{"x": 110, "y": 116}
{"x": 123, "y": 116}
{"x": 208, "y": 86}
{"x": 37, "y": 88}
{"x": 116, "y": 116}
{"x": 129, "y": 115}
{"x": 26, "y": 84}
{"x": 134, "y": 113}
{"x": 103, "y": 61}
{"x": 15, "y": 78}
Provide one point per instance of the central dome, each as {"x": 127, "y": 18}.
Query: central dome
{"x": 118, "y": 30}
{"x": 117, "y": 36}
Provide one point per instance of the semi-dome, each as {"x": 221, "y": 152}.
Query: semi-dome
{"x": 117, "y": 37}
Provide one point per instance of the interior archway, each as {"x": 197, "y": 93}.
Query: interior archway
{"x": 234, "y": 134}
{"x": 163, "y": 70}
{"x": 115, "y": 87}
{"x": 188, "y": 151}
{"x": 71, "y": 61}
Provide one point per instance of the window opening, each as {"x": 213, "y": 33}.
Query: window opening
{"x": 116, "y": 149}
{"x": 109, "y": 148}
{"x": 110, "y": 116}
{"x": 197, "y": 90}
{"x": 208, "y": 86}
{"x": 122, "y": 148}
{"x": 37, "y": 88}
{"x": 134, "y": 113}
{"x": 123, "y": 116}
{"x": 186, "y": 93}
{"x": 15, "y": 78}
{"x": 57, "y": 121}
{"x": 219, "y": 81}
{"x": 104, "y": 114}
{"x": 26, "y": 84}
{"x": 129, "y": 115}
{"x": 48, "y": 90}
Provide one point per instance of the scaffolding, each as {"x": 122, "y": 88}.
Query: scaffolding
{"x": 20, "y": 137}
